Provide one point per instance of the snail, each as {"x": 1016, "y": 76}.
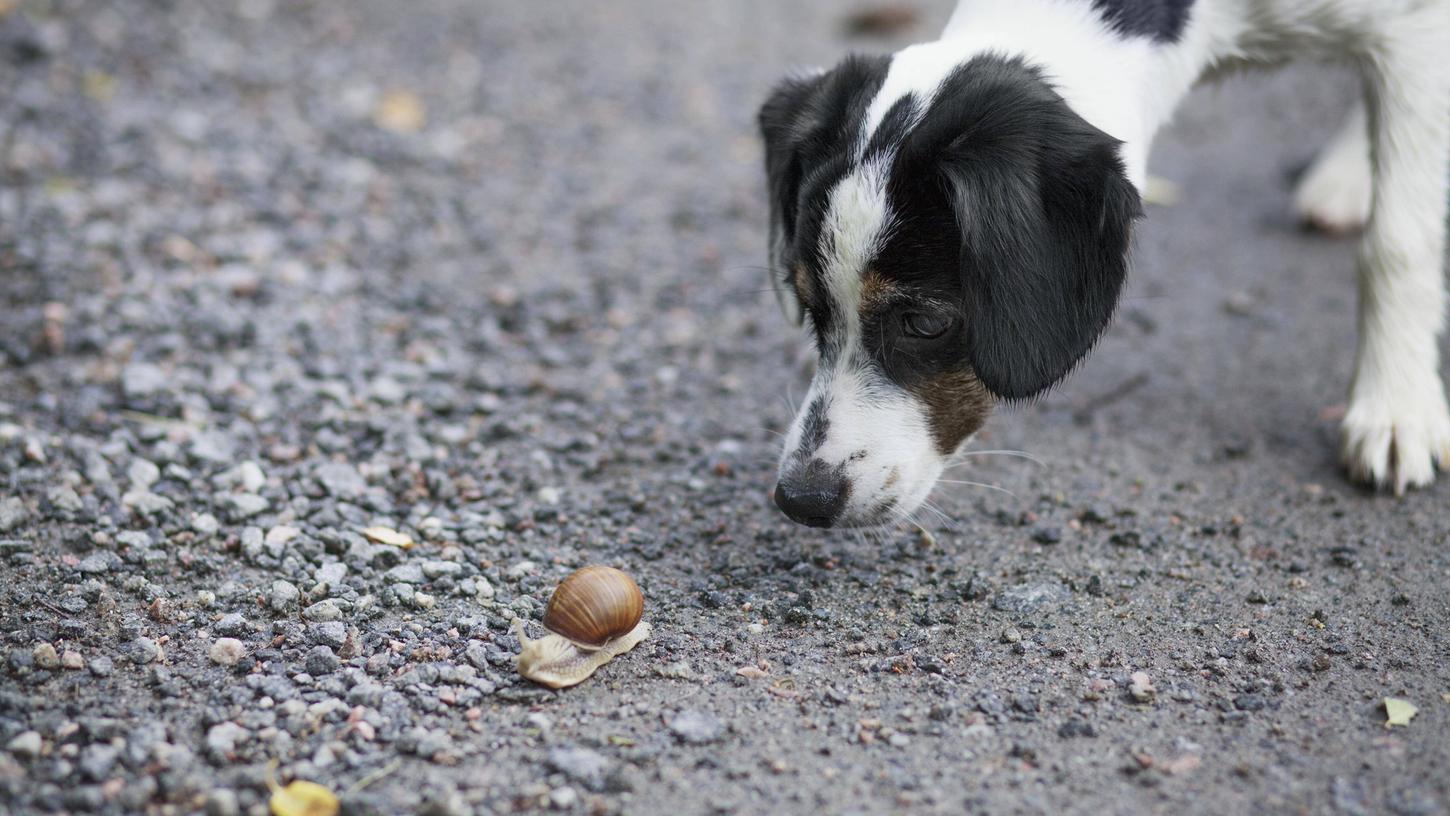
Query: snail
{"x": 592, "y": 617}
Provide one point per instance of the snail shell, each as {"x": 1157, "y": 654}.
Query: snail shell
{"x": 593, "y": 606}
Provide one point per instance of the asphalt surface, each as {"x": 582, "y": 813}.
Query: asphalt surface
{"x": 488, "y": 275}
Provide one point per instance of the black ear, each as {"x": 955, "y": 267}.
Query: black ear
{"x": 809, "y": 125}
{"x": 1046, "y": 212}
{"x": 787, "y": 122}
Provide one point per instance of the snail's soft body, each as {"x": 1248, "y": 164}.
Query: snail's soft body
{"x": 557, "y": 662}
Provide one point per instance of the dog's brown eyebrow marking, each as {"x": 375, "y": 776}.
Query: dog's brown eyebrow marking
{"x": 875, "y": 291}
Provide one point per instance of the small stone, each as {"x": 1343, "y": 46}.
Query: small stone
{"x": 582, "y": 765}
{"x": 437, "y": 569}
{"x": 72, "y": 660}
{"x": 232, "y": 623}
{"x": 332, "y": 634}
{"x": 142, "y": 380}
{"x": 322, "y": 611}
{"x": 98, "y": 563}
{"x": 696, "y": 727}
{"x": 1250, "y": 702}
{"x": 340, "y": 480}
{"x": 102, "y": 666}
{"x": 98, "y": 760}
{"x": 222, "y": 802}
{"x": 1024, "y": 599}
{"x": 321, "y": 661}
{"x": 222, "y": 739}
{"x": 205, "y": 525}
{"x": 26, "y": 745}
{"x": 46, "y": 657}
{"x": 227, "y": 651}
{"x": 12, "y": 514}
{"x": 405, "y": 574}
{"x": 283, "y": 596}
{"x": 1011, "y": 635}
{"x": 1141, "y": 688}
{"x": 143, "y": 650}
{"x": 278, "y": 536}
{"x": 241, "y": 506}
{"x": 143, "y": 473}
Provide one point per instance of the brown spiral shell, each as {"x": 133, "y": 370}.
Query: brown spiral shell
{"x": 594, "y": 605}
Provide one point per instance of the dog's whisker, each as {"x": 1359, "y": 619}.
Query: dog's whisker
{"x": 1013, "y": 453}
{"x": 998, "y": 488}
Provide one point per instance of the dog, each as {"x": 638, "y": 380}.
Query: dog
{"x": 954, "y": 220}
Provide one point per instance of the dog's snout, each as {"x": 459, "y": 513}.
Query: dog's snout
{"x": 813, "y": 495}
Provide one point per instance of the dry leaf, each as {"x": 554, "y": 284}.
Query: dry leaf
{"x": 1161, "y": 191}
{"x": 304, "y": 799}
{"x": 387, "y": 535}
{"x": 401, "y": 112}
{"x": 881, "y": 21}
{"x": 751, "y": 672}
{"x": 1399, "y": 712}
{"x": 100, "y": 86}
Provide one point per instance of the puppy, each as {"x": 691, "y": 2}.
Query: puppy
{"x": 953, "y": 221}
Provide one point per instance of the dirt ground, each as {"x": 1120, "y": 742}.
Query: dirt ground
{"x": 489, "y": 275}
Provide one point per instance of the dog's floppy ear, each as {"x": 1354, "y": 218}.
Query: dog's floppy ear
{"x": 1045, "y": 212}
{"x": 809, "y": 124}
{"x": 785, "y": 127}
{"x": 786, "y": 124}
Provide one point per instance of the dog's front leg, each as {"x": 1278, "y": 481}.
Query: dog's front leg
{"x": 1397, "y": 427}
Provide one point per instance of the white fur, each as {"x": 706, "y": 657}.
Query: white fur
{"x": 1337, "y": 190}
{"x": 1397, "y": 428}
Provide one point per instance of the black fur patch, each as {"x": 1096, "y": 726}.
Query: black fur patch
{"x": 1162, "y": 20}
{"x": 1015, "y": 212}
{"x": 809, "y": 127}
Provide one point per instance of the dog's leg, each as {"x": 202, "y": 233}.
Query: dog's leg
{"x": 1398, "y": 426}
{"x": 1334, "y": 194}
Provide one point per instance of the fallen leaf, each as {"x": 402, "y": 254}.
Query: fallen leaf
{"x": 1161, "y": 191}
{"x": 387, "y": 535}
{"x": 623, "y": 742}
{"x": 401, "y": 112}
{"x": 881, "y": 21}
{"x": 1182, "y": 765}
{"x": 1399, "y": 712}
{"x": 751, "y": 672}
{"x": 100, "y": 86}
{"x": 304, "y": 799}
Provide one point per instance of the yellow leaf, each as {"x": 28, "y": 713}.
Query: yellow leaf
{"x": 1399, "y": 712}
{"x": 387, "y": 535}
{"x": 401, "y": 112}
{"x": 304, "y": 799}
{"x": 100, "y": 86}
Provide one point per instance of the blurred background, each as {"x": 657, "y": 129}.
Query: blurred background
{"x": 490, "y": 275}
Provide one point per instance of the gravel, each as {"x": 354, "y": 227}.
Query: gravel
{"x": 247, "y": 316}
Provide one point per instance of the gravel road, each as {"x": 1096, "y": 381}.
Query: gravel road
{"x": 487, "y": 275}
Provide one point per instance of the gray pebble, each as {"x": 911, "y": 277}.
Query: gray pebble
{"x": 321, "y": 661}
{"x": 582, "y": 765}
{"x": 697, "y": 727}
{"x": 283, "y": 596}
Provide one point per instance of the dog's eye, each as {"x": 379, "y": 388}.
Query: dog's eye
{"x": 924, "y": 326}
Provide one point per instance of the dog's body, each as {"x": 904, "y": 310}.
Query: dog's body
{"x": 954, "y": 221}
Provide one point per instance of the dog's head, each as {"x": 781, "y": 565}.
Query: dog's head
{"x": 968, "y": 249}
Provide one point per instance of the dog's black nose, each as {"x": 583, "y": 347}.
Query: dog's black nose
{"x": 813, "y": 495}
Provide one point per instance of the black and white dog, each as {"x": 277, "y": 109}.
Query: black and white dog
{"x": 953, "y": 221}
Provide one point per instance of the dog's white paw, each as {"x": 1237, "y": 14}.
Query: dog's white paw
{"x": 1396, "y": 442}
{"x": 1335, "y": 195}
